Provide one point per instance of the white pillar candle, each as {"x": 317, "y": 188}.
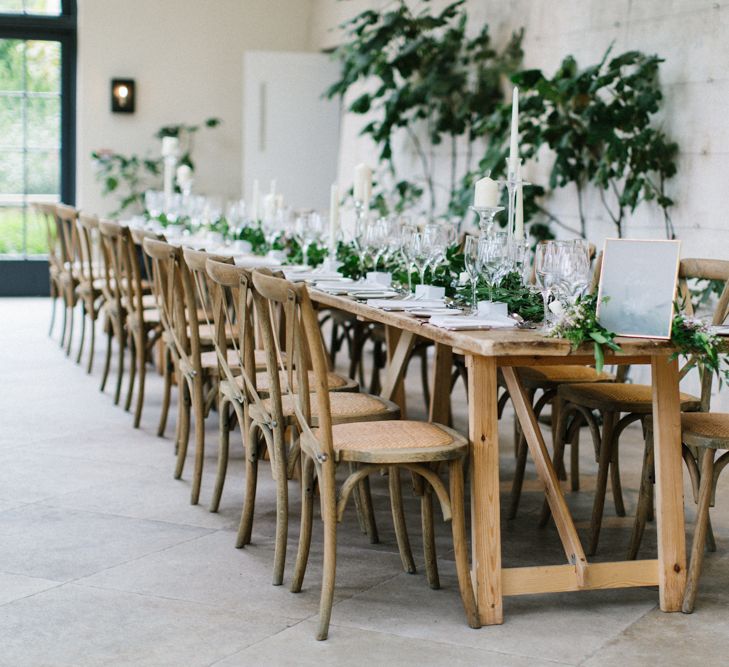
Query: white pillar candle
{"x": 519, "y": 213}
{"x": 184, "y": 175}
{"x": 170, "y": 146}
{"x": 362, "y": 183}
{"x": 255, "y": 200}
{"x": 486, "y": 194}
{"x": 269, "y": 206}
{"x": 279, "y": 202}
{"x": 333, "y": 214}
{"x": 514, "y": 139}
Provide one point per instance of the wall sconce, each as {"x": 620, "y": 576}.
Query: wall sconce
{"x": 122, "y": 95}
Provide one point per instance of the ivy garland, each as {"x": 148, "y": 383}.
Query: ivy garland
{"x": 691, "y": 337}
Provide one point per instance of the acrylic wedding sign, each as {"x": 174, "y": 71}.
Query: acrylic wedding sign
{"x": 638, "y": 287}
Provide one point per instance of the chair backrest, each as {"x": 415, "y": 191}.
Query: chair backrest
{"x": 167, "y": 277}
{"x": 53, "y": 238}
{"x": 704, "y": 269}
{"x": 88, "y": 228}
{"x": 66, "y": 223}
{"x": 232, "y": 303}
{"x": 304, "y": 351}
{"x": 112, "y": 265}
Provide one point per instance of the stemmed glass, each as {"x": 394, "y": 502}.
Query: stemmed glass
{"x": 419, "y": 254}
{"x": 494, "y": 259}
{"x": 547, "y": 272}
{"x": 376, "y": 240}
{"x": 473, "y": 267}
{"x": 154, "y": 202}
{"x": 308, "y": 229}
{"x": 407, "y": 233}
{"x": 574, "y": 269}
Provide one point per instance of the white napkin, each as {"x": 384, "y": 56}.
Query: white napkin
{"x": 406, "y": 304}
{"x": 465, "y": 322}
{"x": 255, "y": 261}
{"x": 310, "y": 275}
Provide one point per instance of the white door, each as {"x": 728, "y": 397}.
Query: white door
{"x": 290, "y": 133}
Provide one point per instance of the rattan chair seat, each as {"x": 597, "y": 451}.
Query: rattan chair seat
{"x": 210, "y": 359}
{"x": 397, "y": 441}
{"x": 706, "y": 429}
{"x": 539, "y": 377}
{"x": 619, "y": 397}
{"x": 346, "y": 406}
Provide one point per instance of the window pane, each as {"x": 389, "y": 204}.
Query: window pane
{"x": 43, "y": 66}
{"x": 36, "y": 242}
{"x": 11, "y": 121}
{"x": 11, "y": 174}
{"x": 11, "y": 230}
{"x": 12, "y": 54}
{"x": 11, "y": 6}
{"x": 43, "y": 118}
{"x": 43, "y": 172}
{"x": 47, "y": 7}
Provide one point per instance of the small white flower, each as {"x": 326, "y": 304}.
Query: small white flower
{"x": 556, "y": 307}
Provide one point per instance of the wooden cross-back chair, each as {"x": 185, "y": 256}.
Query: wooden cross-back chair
{"x": 370, "y": 445}
{"x": 54, "y": 243}
{"x": 619, "y": 404}
{"x": 186, "y": 339}
{"x": 70, "y": 258}
{"x": 115, "y": 314}
{"x": 89, "y": 287}
{"x": 264, "y": 415}
{"x": 705, "y": 442}
{"x": 143, "y": 324}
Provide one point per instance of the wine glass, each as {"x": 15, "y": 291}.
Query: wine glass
{"x": 547, "y": 272}
{"x": 407, "y": 232}
{"x": 471, "y": 261}
{"x": 419, "y": 254}
{"x": 494, "y": 259}
{"x": 376, "y": 240}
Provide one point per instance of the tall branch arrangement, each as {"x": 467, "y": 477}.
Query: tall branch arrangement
{"x": 426, "y": 78}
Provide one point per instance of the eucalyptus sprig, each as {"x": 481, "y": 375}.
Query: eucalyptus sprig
{"x": 693, "y": 339}
{"x": 578, "y": 323}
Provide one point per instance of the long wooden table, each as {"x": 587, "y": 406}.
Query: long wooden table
{"x": 488, "y": 351}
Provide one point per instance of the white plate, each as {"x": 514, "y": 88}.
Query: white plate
{"x": 371, "y": 294}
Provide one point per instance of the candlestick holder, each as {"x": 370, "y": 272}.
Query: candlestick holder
{"x": 513, "y": 181}
{"x": 486, "y": 217}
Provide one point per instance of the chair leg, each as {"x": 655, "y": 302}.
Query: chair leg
{"x": 142, "y": 374}
{"x": 121, "y": 341}
{"x": 644, "y": 496}
{"x": 166, "y": 391}
{"x": 64, "y": 322}
{"x": 429, "y": 552}
{"x": 282, "y": 507}
{"x": 83, "y": 333}
{"x": 307, "y": 513}
{"x": 398, "y": 518}
{"x": 368, "y": 511}
{"x": 107, "y": 358}
{"x": 70, "y": 308}
{"x": 518, "y": 481}
{"x": 183, "y": 425}
{"x": 424, "y": 379}
{"x": 699, "y": 542}
{"x": 575, "y": 461}
{"x": 133, "y": 342}
{"x": 329, "y": 516}
{"x": 557, "y": 406}
{"x": 605, "y": 456}
{"x": 198, "y": 411}
{"x": 224, "y": 442}
{"x": 245, "y": 527}
{"x": 92, "y": 341}
{"x": 460, "y": 543}
{"x": 54, "y": 301}
{"x": 615, "y": 480}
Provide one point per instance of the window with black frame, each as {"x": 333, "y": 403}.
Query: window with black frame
{"x": 37, "y": 118}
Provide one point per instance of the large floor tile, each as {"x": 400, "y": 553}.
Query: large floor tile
{"x": 77, "y": 626}
{"x": 211, "y": 571}
{"x": 64, "y": 544}
{"x": 15, "y": 586}
{"x": 297, "y": 647}
{"x": 552, "y": 627}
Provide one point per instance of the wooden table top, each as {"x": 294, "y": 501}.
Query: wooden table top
{"x": 502, "y": 343}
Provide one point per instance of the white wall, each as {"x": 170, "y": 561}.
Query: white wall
{"x": 692, "y": 37}
{"x": 186, "y": 57}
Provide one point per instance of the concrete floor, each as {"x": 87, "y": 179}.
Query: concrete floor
{"x": 104, "y": 562}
